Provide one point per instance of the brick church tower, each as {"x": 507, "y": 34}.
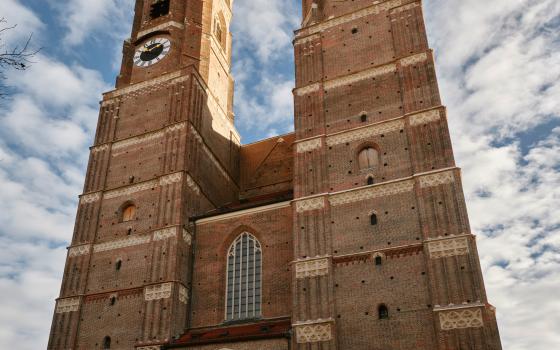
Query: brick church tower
{"x": 350, "y": 233}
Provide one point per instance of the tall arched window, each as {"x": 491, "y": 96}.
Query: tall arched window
{"x": 244, "y": 266}
{"x": 368, "y": 158}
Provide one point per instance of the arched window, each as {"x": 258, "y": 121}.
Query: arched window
{"x": 378, "y": 260}
{"x": 370, "y": 180}
{"x": 373, "y": 219}
{"x": 118, "y": 265}
{"x": 106, "y": 343}
{"x": 368, "y": 158}
{"x": 383, "y": 312}
{"x": 218, "y": 31}
{"x": 128, "y": 213}
{"x": 244, "y": 266}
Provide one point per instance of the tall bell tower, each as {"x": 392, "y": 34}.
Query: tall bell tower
{"x": 165, "y": 150}
{"x": 380, "y": 223}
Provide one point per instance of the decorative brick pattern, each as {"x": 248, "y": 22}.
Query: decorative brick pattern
{"x": 448, "y": 247}
{"x": 79, "y": 251}
{"x": 158, "y": 291}
{"x": 310, "y": 145}
{"x": 460, "y": 319}
{"x": 405, "y": 7}
{"x": 425, "y": 117}
{"x": 308, "y": 89}
{"x": 101, "y": 148}
{"x": 409, "y": 61}
{"x": 372, "y": 10}
{"x": 192, "y": 185}
{"x": 67, "y": 305}
{"x": 187, "y": 237}
{"x": 166, "y": 233}
{"x": 305, "y": 40}
{"x": 90, "y": 198}
{"x": 183, "y": 294}
{"x": 372, "y": 192}
{"x": 313, "y": 332}
{"x": 312, "y": 268}
{"x": 152, "y": 347}
{"x": 437, "y": 179}
{"x": 161, "y": 27}
{"x": 120, "y": 145}
{"x": 123, "y": 243}
{"x": 366, "y": 74}
{"x": 310, "y": 204}
{"x": 365, "y": 133}
{"x": 126, "y": 191}
{"x": 148, "y": 84}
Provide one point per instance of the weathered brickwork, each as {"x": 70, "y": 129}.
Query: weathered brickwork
{"x": 349, "y": 233}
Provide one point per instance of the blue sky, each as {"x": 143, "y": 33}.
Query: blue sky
{"x": 498, "y": 66}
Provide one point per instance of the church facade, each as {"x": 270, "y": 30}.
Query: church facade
{"x": 350, "y": 233}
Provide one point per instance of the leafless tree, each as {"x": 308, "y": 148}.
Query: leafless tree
{"x": 17, "y": 57}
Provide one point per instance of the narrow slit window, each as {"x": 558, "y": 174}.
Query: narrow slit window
{"x": 244, "y": 266}
{"x": 373, "y": 219}
{"x": 106, "y": 343}
{"x": 118, "y": 265}
{"x": 370, "y": 180}
{"x": 159, "y": 8}
{"x": 383, "y": 312}
{"x": 378, "y": 261}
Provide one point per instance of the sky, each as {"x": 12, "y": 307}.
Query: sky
{"x": 498, "y": 65}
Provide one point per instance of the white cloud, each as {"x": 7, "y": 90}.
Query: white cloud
{"x": 25, "y": 20}
{"x": 499, "y": 74}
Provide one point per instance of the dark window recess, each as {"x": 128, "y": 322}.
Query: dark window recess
{"x": 370, "y": 180}
{"x": 354, "y": 30}
{"x": 373, "y": 219}
{"x": 118, "y": 265}
{"x": 113, "y": 300}
{"x": 378, "y": 261}
{"x": 363, "y": 117}
{"x": 159, "y": 8}
{"x": 106, "y": 343}
{"x": 383, "y": 312}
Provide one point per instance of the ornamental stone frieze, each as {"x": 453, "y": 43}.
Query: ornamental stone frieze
{"x": 310, "y": 145}
{"x": 371, "y": 10}
{"x": 79, "y": 251}
{"x": 461, "y": 317}
{"x": 405, "y": 7}
{"x": 437, "y": 179}
{"x": 410, "y": 60}
{"x": 312, "y": 268}
{"x": 425, "y": 117}
{"x": 363, "y": 75}
{"x": 310, "y": 204}
{"x": 158, "y": 291}
{"x": 124, "y": 144}
{"x": 313, "y": 331}
{"x": 183, "y": 294}
{"x": 365, "y": 132}
{"x": 121, "y": 243}
{"x": 453, "y": 246}
{"x": 126, "y": 191}
{"x": 166, "y": 233}
{"x": 90, "y": 198}
{"x": 152, "y": 347}
{"x": 67, "y": 305}
{"x": 187, "y": 237}
{"x": 372, "y": 192}
{"x": 308, "y": 89}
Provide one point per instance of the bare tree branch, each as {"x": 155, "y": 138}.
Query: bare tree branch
{"x": 17, "y": 57}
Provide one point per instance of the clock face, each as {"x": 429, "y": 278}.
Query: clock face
{"x": 152, "y": 52}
